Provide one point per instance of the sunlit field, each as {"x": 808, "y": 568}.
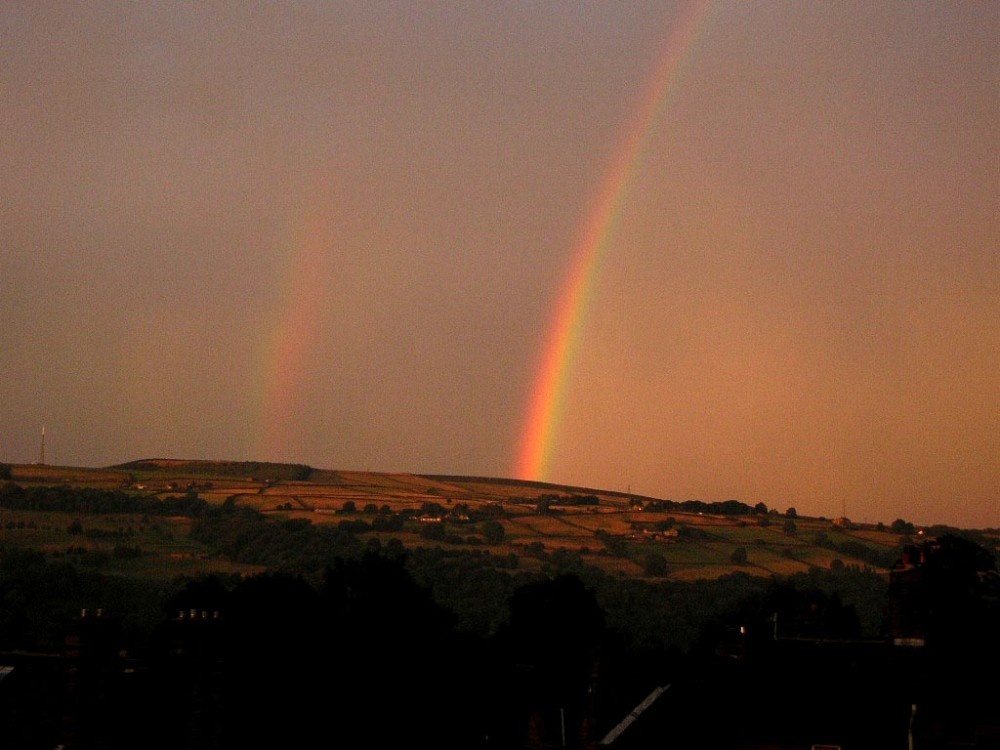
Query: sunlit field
{"x": 614, "y": 531}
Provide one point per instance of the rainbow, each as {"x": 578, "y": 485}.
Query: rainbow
{"x": 564, "y": 331}
{"x": 296, "y": 328}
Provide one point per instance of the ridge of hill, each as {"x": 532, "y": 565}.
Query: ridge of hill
{"x": 301, "y": 472}
{"x": 532, "y": 521}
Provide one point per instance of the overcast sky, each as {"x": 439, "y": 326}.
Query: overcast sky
{"x": 336, "y": 233}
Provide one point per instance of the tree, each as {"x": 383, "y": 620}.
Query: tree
{"x": 760, "y": 509}
{"x": 739, "y": 556}
{"x": 899, "y": 526}
{"x": 556, "y": 626}
{"x": 615, "y": 545}
{"x": 493, "y": 532}
{"x": 431, "y": 510}
{"x": 349, "y": 506}
{"x": 792, "y": 513}
{"x": 391, "y": 522}
{"x": 958, "y": 593}
{"x": 432, "y": 531}
{"x": 655, "y": 564}
{"x": 554, "y": 636}
{"x": 789, "y": 527}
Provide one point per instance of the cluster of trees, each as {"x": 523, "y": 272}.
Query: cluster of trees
{"x": 718, "y": 508}
{"x": 86, "y": 500}
{"x": 546, "y": 502}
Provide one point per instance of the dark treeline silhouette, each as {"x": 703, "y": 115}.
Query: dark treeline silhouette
{"x": 68, "y": 499}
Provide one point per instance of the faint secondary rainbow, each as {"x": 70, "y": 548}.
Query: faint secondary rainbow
{"x": 296, "y": 328}
{"x": 548, "y": 391}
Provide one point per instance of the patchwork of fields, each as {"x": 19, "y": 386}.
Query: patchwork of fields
{"x": 612, "y": 530}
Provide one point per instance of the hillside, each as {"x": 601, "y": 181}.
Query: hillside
{"x": 629, "y": 535}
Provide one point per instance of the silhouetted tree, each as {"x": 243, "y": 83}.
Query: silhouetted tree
{"x": 899, "y": 526}
{"x": 655, "y": 564}
{"x": 953, "y": 591}
{"x": 493, "y": 532}
{"x": 554, "y": 634}
{"x": 959, "y": 587}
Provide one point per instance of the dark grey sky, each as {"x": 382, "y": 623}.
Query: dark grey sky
{"x": 336, "y": 233}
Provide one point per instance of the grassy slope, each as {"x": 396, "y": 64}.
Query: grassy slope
{"x": 703, "y": 549}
